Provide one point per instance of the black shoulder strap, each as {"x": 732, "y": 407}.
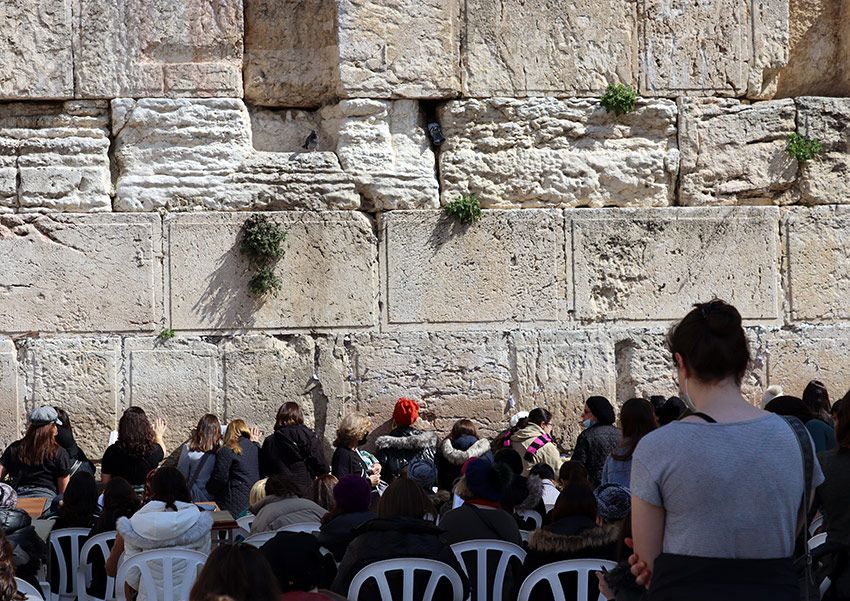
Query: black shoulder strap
{"x": 805, "y": 443}
{"x": 193, "y": 477}
{"x": 703, "y": 416}
{"x": 485, "y": 520}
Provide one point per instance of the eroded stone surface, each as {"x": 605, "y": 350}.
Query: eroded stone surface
{"x": 508, "y": 267}
{"x": 575, "y": 51}
{"x": 54, "y": 156}
{"x": 653, "y": 264}
{"x": 12, "y": 424}
{"x": 80, "y": 273}
{"x": 826, "y": 179}
{"x": 82, "y": 376}
{"x": 734, "y": 153}
{"x": 328, "y": 272}
{"x": 159, "y": 48}
{"x": 819, "y": 263}
{"x": 177, "y": 380}
{"x": 565, "y": 153}
{"x": 37, "y": 60}
{"x": 808, "y": 353}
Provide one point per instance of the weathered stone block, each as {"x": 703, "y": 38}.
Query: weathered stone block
{"x": 734, "y": 153}
{"x": 562, "y": 153}
{"x": 80, "y": 273}
{"x": 558, "y": 370}
{"x": 451, "y": 375}
{"x": 509, "y": 267}
{"x": 577, "y": 50}
{"x": 818, "y": 263}
{"x": 80, "y": 375}
{"x": 722, "y": 47}
{"x": 329, "y": 273}
{"x": 37, "y": 60}
{"x": 197, "y": 154}
{"x": 826, "y": 179}
{"x": 653, "y": 264}
{"x": 262, "y": 373}
{"x": 159, "y": 48}
{"x": 808, "y": 353}
{"x": 177, "y": 380}
{"x": 54, "y": 156}
{"x": 12, "y": 424}
{"x": 398, "y": 48}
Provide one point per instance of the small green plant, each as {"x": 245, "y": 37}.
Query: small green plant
{"x": 262, "y": 243}
{"x": 465, "y": 209}
{"x": 803, "y": 148}
{"x": 166, "y": 334}
{"x": 619, "y": 99}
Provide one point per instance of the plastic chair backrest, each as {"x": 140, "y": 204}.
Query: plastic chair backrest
{"x": 260, "y": 539}
{"x": 308, "y": 527}
{"x": 481, "y": 581}
{"x": 67, "y": 579}
{"x": 245, "y": 522}
{"x": 28, "y": 590}
{"x": 527, "y": 514}
{"x": 552, "y": 572}
{"x": 816, "y": 523}
{"x": 407, "y": 566}
{"x": 170, "y": 590}
{"x": 816, "y": 541}
{"x": 102, "y": 543}
{"x": 524, "y": 534}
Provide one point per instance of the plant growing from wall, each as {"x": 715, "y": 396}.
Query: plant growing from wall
{"x": 262, "y": 244}
{"x": 619, "y": 99}
{"x": 166, "y": 334}
{"x": 803, "y": 148}
{"x": 466, "y": 209}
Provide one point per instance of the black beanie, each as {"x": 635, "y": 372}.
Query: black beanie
{"x": 601, "y": 410}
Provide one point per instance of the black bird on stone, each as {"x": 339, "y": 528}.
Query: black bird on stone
{"x": 312, "y": 141}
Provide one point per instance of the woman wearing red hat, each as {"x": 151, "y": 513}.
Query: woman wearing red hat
{"x": 404, "y": 443}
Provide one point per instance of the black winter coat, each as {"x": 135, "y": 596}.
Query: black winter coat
{"x": 391, "y": 538}
{"x": 339, "y": 532}
{"x": 234, "y": 475}
{"x": 29, "y": 550}
{"x": 296, "y": 452}
{"x": 593, "y": 447}
{"x": 400, "y": 447}
{"x": 347, "y": 462}
{"x": 454, "y": 453}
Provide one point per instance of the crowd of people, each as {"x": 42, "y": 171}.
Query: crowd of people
{"x": 698, "y": 496}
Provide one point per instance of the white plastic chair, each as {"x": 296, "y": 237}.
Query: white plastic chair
{"x": 101, "y": 543}
{"x": 260, "y": 539}
{"x": 407, "y": 566}
{"x": 67, "y": 579}
{"x": 524, "y": 534}
{"x": 308, "y": 527}
{"x": 816, "y": 523}
{"x": 28, "y": 590}
{"x": 552, "y": 572}
{"x": 816, "y": 541}
{"x": 245, "y": 522}
{"x": 531, "y": 514}
{"x": 480, "y": 548}
{"x": 166, "y": 558}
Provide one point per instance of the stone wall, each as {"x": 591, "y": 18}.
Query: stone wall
{"x": 137, "y": 137}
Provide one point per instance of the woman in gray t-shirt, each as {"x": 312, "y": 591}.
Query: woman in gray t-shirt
{"x": 716, "y": 496}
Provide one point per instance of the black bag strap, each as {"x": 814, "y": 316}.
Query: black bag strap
{"x": 805, "y": 444}
{"x": 703, "y": 416}
{"x": 193, "y": 476}
{"x": 485, "y": 520}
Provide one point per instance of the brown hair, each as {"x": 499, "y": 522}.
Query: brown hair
{"x": 404, "y": 498}
{"x": 289, "y": 414}
{"x": 712, "y": 342}
{"x": 39, "y": 444}
{"x": 235, "y": 431}
{"x": 637, "y": 419}
{"x": 281, "y": 486}
{"x": 816, "y": 398}
{"x": 8, "y": 586}
{"x": 351, "y": 430}
{"x": 323, "y": 491}
{"x": 207, "y": 434}
{"x": 842, "y": 422}
{"x": 463, "y": 427}
{"x": 238, "y": 572}
{"x": 572, "y": 471}
{"x": 576, "y": 499}
{"x": 135, "y": 433}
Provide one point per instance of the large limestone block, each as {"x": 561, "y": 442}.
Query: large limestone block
{"x": 329, "y": 273}
{"x": 653, "y": 264}
{"x": 262, "y": 373}
{"x": 508, "y": 267}
{"x": 562, "y": 153}
{"x": 825, "y": 180}
{"x": 54, "y": 157}
{"x": 719, "y": 47}
{"x": 574, "y": 50}
{"x": 81, "y": 375}
{"x": 182, "y": 154}
{"x": 734, "y": 153}
{"x": 177, "y": 380}
{"x": 818, "y": 263}
{"x": 558, "y": 370}
{"x": 36, "y": 60}
{"x": 80, "y": 273}
{"x": 451, "y": 375}
{"x": 810, "y": 353}
{"x": 159, "y": 48}
{"x": 13, "y": 421}
{"x": 398, "y": 48}
{"x": 290, "y": 52}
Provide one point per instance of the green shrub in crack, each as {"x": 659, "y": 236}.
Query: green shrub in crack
{"x": 466, "y": 209}
{"x": 619, "y": 99}
{"x": 803, "y": 148}
{"x": 262, "y": 244}
{"x": 264, "y": 282}
{"x": 166, "y": 334}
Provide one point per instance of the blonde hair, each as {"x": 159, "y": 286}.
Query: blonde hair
{"x": 235, "y": 430}
{"x": 351, "y": 430}
{"x": 258, "y": 492}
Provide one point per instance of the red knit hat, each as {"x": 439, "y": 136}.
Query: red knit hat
{"x": 406, "y": 412}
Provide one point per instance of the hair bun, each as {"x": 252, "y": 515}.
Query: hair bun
{"x": 722, "y": 319}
